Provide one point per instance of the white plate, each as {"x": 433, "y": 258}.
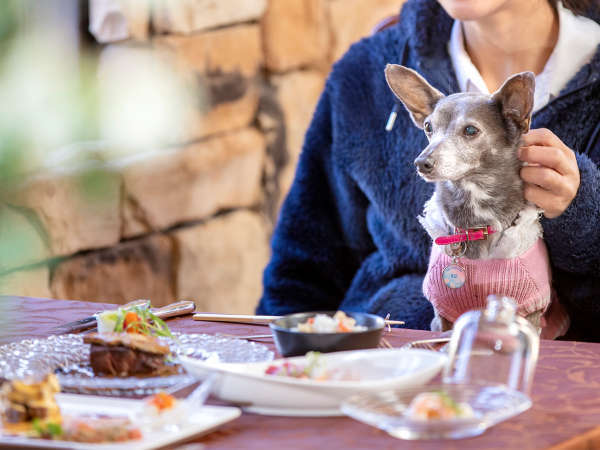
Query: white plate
{"x": 247, "y": 385}
{"x": 201, "y": 422}
{"x": 293, "y": 412}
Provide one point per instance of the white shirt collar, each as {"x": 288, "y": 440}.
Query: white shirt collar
{"x": 578, "y": 39}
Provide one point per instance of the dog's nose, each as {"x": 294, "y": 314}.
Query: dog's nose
{"x": 425, "y": 165}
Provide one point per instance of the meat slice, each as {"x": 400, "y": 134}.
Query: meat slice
{"x": 135, "y": 341}
{"x": 124, "y": 354}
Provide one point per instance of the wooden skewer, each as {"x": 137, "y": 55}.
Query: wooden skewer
{"x": 256, "y": 320}
{"x": 394, "y": 322}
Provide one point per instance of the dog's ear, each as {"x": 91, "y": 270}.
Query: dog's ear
{"x": 415, "y": 93}
{"x": 515, "y": 98}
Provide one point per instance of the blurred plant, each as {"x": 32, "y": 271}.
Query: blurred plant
{"x": 65, "y": 111}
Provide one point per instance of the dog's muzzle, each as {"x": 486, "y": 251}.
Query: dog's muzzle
{"x": 425, "y": 165}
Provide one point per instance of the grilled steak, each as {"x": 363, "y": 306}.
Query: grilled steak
{"x": 123, "y": 354}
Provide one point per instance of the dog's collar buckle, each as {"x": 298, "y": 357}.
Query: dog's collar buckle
{"x": 465, "y": 235}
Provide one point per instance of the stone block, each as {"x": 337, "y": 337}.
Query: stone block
{"x": 295, "y": 34}
{"x": 78, "y": 210}
{"x": 23, "y": 240}
{"x": 136, "y": 269}
{"x": 351, "y": 20}
{"x": 231, "y": 50}
{"x": 193, "y": 182}
{"x": 297, "y": 94}
{"x": 224, "y": 116}
{"x": 221, "y": 68}
{"x": 221, "y": 262}
{"x": 30, "y": 282}
{"x": 187, "y": 16}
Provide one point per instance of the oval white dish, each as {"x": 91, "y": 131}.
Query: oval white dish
{"x": 247, "y": 385}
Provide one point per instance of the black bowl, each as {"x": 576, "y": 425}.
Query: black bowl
{"x": 295, "y": 343}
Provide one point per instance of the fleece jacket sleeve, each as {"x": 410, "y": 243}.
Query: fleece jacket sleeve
{"x": 320, "y": 238}
{"x": 573, "y": 238}
{"x": 323, "y": 256}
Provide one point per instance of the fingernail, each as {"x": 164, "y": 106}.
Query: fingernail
{"x": 519, "y": 152}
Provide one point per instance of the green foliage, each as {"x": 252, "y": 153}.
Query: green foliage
{"x": 9, "y": 14}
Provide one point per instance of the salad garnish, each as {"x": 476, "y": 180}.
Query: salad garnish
{"x": 135, "y": 320}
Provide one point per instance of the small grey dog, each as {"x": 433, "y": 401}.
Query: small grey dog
{"x": 478, "y": 204}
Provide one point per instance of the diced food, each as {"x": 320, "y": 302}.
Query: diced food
{"x": 437, "y": 405}
{"x": 30, "y": 410}
{"x": 26, "y": 401}
{"x": 313, "y": 368}
{"x": 161, "y": 401}
{"x": 99, "y": 429}
{"x": 340, "y": 322}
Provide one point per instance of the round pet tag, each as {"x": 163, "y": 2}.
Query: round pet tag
{"x": 454, "y": 276}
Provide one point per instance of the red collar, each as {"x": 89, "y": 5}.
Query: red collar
{"x": 470, "y": 234}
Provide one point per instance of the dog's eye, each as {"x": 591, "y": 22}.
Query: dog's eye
{"x": 470, "y": 130}
{"x": 427, "y": 127}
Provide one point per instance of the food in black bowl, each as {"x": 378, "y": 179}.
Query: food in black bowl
{"x": 327, "y": 331}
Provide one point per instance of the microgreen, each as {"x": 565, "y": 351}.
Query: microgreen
{"x": 149, "y": 323}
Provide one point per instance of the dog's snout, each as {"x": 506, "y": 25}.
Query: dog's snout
{"x": 425, "y": 165}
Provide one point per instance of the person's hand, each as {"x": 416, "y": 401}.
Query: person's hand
{"x": 551, "y": 176}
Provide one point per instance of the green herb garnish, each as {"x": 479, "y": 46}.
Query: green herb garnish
{"x": 149, "y": 323}
{"x": 48, "y": 430}
{"x": 313, "y": 359}
{"x": 448, "y": 401}
{"x": 120, "y": 321}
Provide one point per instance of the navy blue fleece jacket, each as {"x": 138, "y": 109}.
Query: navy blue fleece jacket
{"x": 348, "y": 236}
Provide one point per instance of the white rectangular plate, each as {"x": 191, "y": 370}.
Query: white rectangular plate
{"x": 203, "y": 421}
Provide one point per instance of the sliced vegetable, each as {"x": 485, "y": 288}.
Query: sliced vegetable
{"x": 141, "y": 320}
{"x": 130, "y": 324}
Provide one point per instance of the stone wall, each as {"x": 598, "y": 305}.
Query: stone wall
{"x": 192, "y": 220}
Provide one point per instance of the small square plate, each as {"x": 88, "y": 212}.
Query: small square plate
{"x": 203, "y": 421}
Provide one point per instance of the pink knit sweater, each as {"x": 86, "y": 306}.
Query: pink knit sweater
{"x": 526, "y": 279}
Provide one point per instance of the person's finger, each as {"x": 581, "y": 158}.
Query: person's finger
{"x": 542, "y": 137}
{"x": 540, "y": 197}
{"x": 544, "y": 177}
{"x": 551, "y": 157}
{"x": 535, "y": 194}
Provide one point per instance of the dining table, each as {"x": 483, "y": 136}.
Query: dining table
{"x": 566, "y": 392}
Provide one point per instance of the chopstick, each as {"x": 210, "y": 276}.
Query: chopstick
{"x": 235, "y": 318}
{"x": 253, "y": 319}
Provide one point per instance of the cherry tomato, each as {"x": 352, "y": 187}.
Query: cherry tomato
{"x": 131, "y": 318}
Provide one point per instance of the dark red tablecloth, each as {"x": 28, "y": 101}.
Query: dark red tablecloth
{"x": 566, "y": 393}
